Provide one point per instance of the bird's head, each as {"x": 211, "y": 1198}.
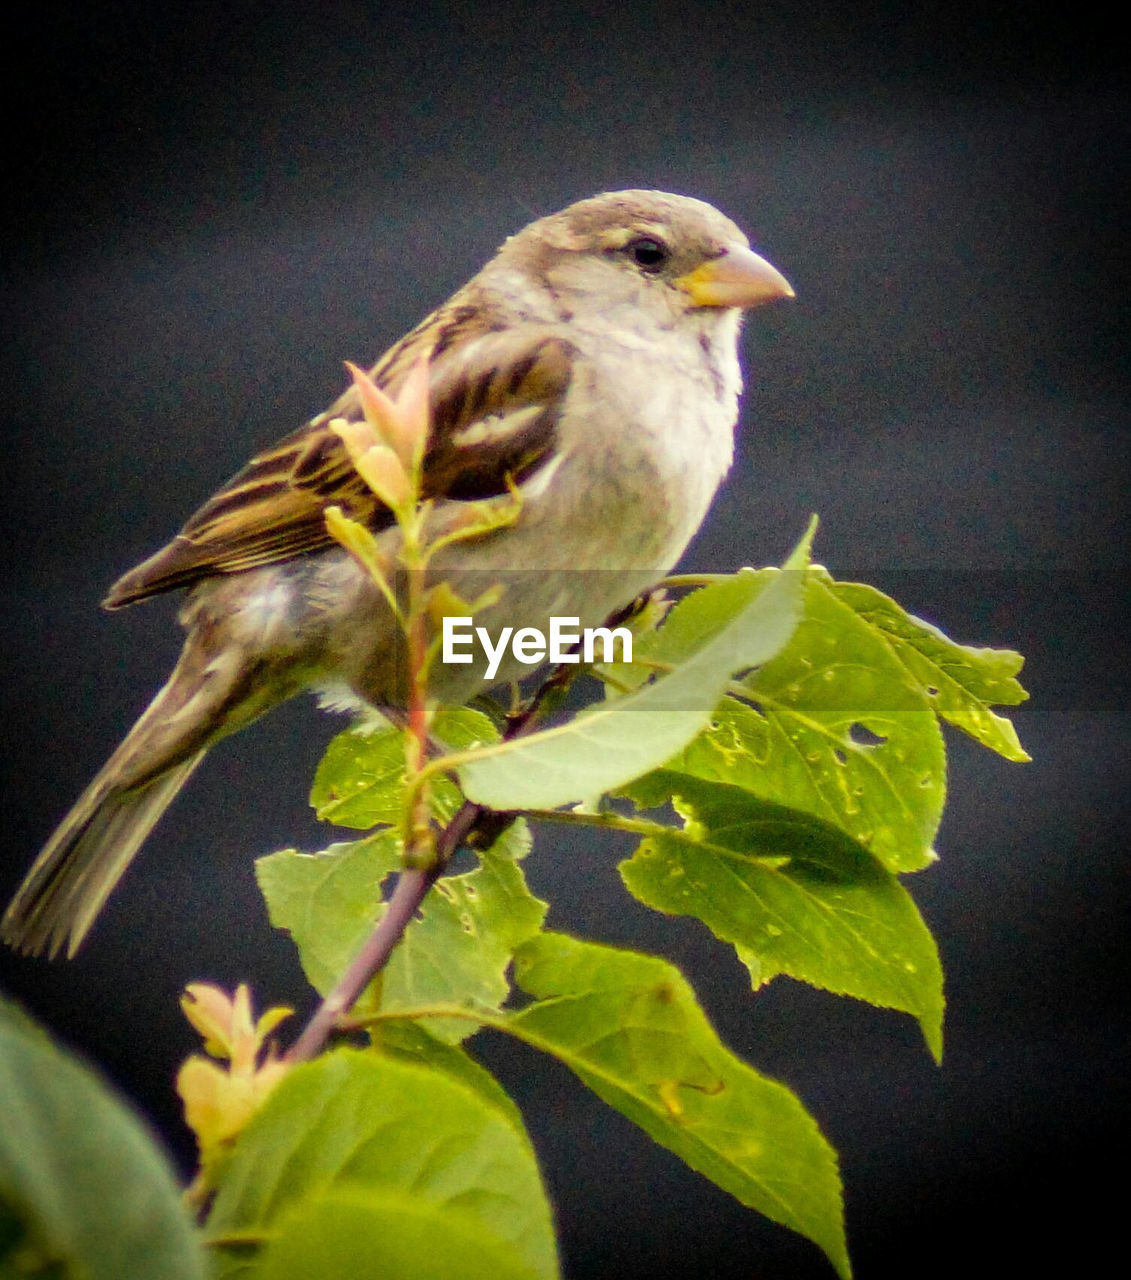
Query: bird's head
{"x": 668, "y": 253}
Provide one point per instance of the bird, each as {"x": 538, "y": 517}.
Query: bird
{"x": 590, "y": 369}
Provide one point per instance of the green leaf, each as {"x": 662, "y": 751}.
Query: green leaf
{"x": 838, "y": 730}
{"x": 235, "y": 1262}
{"x": 793, "y": 893}
{"x": 615, "y": 741}
{"x": 359, "y": 1122}
{"x": 458, "y": 949}
{"x": 65, "y": 1139}
{"x": 350, "y": 1234}
{"x": 328, "y": 901}
{"x": 963, "y": 682}
{"x": 15, "y": 1018}
{"x": 696, "y": 619}
{"x": 630, "y": 1027}
{"x": 408, "y": 1041}
{"x": 360, "y": 780}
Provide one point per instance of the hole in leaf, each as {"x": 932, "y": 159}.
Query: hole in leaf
{"x": 862, "y": 736}
{"x": 841, "y": 756}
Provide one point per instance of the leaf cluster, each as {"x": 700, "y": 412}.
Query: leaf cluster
{"x": 775, "y": 747}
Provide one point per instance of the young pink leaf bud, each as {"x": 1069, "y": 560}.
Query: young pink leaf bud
{"x": 401, "y": 423}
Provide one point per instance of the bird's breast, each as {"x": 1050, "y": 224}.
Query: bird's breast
{"x": 646, "y": 438}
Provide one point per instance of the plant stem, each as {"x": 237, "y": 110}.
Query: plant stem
{"x": 414, "y": 882}
{"x": 484, "y": 1017}
{"x": 412, "y": 888}
{"x": 418, "y": 843}
{"x": 472, "y": 824}
{"x": 675, "y": 581}
{"x": 607, "y": 820}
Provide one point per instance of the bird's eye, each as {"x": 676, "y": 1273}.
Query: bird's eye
{"x": 648, "y": 253}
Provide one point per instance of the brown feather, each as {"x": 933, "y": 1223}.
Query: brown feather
{"x": 494, "y": 397}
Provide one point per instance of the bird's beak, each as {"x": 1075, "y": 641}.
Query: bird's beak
{"x": 737, "y": 278}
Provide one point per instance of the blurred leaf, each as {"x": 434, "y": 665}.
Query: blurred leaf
{"x": 630, "y": 1027}
{"x": 793, "y": 893}
{"x": 65, "y": 1142}
{"x": 16, "y": 1019}
{"x": 347, "y": 1235}
{"x": 611, "y": 743}
{"x": 356, "y": 1122}
{"x": 234, "y": 1262}
{"x": 962, "y": 682}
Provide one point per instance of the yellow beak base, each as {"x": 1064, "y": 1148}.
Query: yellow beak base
{"x": 738, "y": 278}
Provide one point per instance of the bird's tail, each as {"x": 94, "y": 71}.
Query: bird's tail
{"x": 207, "y": 697}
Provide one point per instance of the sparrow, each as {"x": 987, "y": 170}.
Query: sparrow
{"x": 590, "y": 368}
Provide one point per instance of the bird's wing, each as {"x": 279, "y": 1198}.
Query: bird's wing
{"x": 494, "y": 394}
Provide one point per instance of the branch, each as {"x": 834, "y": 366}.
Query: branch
{"x": 412, "y": 888}
{"x": 473, "y": 825}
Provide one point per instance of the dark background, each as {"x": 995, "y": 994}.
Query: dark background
{"x": 213, "y": 205}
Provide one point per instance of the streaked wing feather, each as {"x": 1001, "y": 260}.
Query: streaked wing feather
{"x": 494, "y": 397}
